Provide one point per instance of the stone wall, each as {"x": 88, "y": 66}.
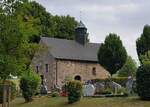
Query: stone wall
{"x": 41, "y": 59}
{"x": 86, "y": 70}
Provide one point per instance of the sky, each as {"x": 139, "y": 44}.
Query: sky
{"x": 126, "y": 18}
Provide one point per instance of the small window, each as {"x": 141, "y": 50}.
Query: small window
{"x": 94, "y": 71}
{"x": 37, "y": 69}
{"x": 46, "y": 66}
{"x": 42, "y": 79}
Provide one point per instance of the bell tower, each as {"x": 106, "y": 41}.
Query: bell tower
{"x": 81, "y": 33}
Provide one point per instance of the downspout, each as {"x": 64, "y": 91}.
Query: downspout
{"x": 56, "y": 72}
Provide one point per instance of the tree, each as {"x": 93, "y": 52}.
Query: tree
{"x": 12, "y": 48}
{"x": 35, "y": 21}
{"x": 64, "y": 27}
{"x": 143, "y": 43}
{"x": 129, "y": 68}
{"x": 112, "y": 54}
{"x": 145, "y": 58}
{"x": 143, "y": 81}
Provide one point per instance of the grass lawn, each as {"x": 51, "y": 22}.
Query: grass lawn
{"x": 85, "y": 102}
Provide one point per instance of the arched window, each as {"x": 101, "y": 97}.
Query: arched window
{"x": 77, "y": 77}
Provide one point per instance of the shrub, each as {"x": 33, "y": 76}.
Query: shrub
{"x": 64, "y": 90}
{"x": 119, "y": 80}
{"x": 134, "y": 87}
{"x": 74, "y": 91}
{"x": 122, "y": 91}
{"x": 107, "y": 91}
{"x": 13, "y": 89}
{"x": 143, "y": 81}
{"x": 55, "y": 94}
{"x": 29, "y": 85}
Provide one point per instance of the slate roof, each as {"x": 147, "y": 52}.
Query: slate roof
{"x": 71, "y": 50}
{"x": 81, "y": 25}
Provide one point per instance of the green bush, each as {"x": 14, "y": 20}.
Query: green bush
{"x": 107, "y": 91}
{"x": 74, "y": 91}
{"x": 29, "y": 85}
{"x": 55, "y": 94}
{"x": 13, "y": 89}
{"x": 143, "y": 81}
{"x": 122, "y": 91}
{"x": 119, "y": 80}
{"x": 134, "y": 87}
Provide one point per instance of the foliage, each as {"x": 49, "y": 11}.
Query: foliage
{"x": 64, "y": 90}
{"x": 64, "y": 27}
{"x": 35, "y": 21}
{"x": 112, "y": 54}
{"x": 145, "y": 58}
{"x": 121, "y": 90}
{"x": 119, "y": 80}
{"x": 107, "y": 91}
{"x": 29, "y": 85}
{"x": 12, "y": 47}
{"x": 129, "y": 68}
{"x": 55, "y": 94}
{"x": 13, "y": 89}
{"x": 143, "y": 43}
{"x": 143, "y": 81}
{"x": 134, "y": 87}
{"x": 74, "y": 91}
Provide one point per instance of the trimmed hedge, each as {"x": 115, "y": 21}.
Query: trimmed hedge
{"x": 13, "y": 89}
{"x": 120, "y": 80}
{"x": 74, "y": 91}
{"x": 29, "y": 85}
{"x": 143, "y": 81}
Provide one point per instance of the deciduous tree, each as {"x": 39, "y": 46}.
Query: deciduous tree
{"x": 112, "y": 54}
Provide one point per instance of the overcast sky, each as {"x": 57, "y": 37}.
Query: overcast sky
{"x": 123, "y": 17}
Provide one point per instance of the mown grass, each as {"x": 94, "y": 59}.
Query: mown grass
{"x": 85, "y": 102}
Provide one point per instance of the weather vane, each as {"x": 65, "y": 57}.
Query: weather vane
{"x": 80, "y": 15}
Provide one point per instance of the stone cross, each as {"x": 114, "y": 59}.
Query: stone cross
{"x": 129, "y": 84}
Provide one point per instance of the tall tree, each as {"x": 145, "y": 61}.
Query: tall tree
{"x": 35, "y": 21}
{"x": 112, "y": 54}
{"x": 128, "y": 69}
{"x": 64, "y": 27}
{"x": 12, "y": 47}
{"x": 143, "y": 43}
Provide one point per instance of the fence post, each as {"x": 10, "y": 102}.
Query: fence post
{"x": 4, "y": 96}
{"x": 9, "y": 95}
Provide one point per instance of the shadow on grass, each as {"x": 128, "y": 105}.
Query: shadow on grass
{"x": 136, "y": 99}
{"x": 66, "y": 104}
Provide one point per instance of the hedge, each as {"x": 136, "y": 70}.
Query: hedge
{"x": 120, "y": 80}
{"x": 143, "y": 81}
